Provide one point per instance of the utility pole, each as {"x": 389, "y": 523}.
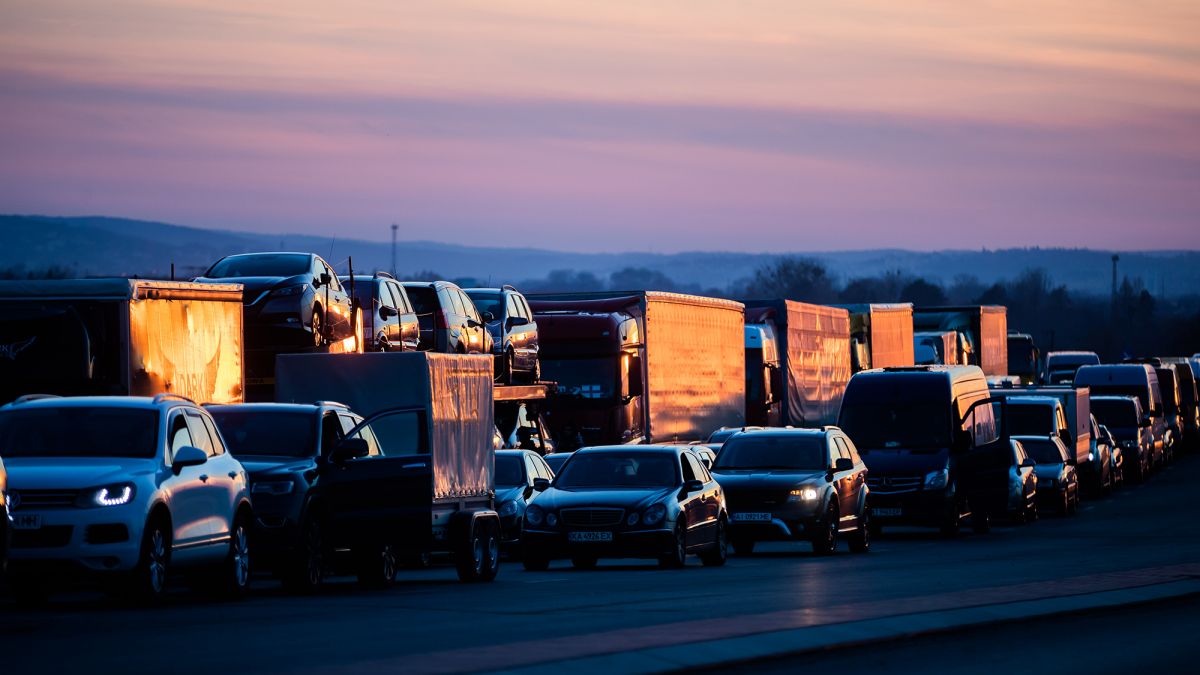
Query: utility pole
{"x": 394, "y": 228}
{"x": 1115, "y": 258}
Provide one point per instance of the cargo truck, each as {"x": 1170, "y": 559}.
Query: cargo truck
{"x": 123, "y": 337}
{"x": 881, "y": 335}
{"x": 640, "y": 366}
{"x": 935, "y": 348}
{"x": 417, "y": 475}
{"x": 804, "y": 386}
{"x": 982, "y": 333}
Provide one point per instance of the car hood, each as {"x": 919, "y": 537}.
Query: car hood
{"x": 505, "y": 495}
{"x": 555, "y": 498}
{"x": 74, "y": 473}
{"x": 267, "y": 465}
{"x": 903, "y": 462}
{"x": 253, "y": 286}
{"x": 753, "y": 479}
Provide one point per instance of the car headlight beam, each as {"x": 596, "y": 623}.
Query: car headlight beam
{"x": 108, "y": 495}
{"x": 803, "y": 494}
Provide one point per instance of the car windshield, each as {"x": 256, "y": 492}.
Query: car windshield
{"x": 767, "y": 451}
{"x": 1138, "y": 392}
{"x": 926, "y": 353}
{"x": 619, "y": 470}
{"x": 77, "y": 431}
{"x": 260, "y": 265}
{"x": 1030, "y": 420}
{"x": 278, "y": 433}
{"x": 1115, "y": 414}
{"x": 1042, "y": 451}
{"x": 582, "y": 378}
{"x": 556, "y": 461}
{"x": 897, "y": 425}
{"x": 487, "y": 302}
{"x": 423, "y": 298}
{"x": 510, "y": 471}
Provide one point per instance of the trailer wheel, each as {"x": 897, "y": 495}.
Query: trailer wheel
{"x": 491, "y": 550}
{"x": 474, "y": 561}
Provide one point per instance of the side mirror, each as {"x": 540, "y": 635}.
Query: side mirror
{"x": 472, "y": 323}
{"x": 517, "y": 321}
{"x": 350, "y": 448}
{"x": 386, "y": 312}
{"x": 692, "y": 486}
{"x": 188, "y": 456}
{"x": 1028, "y": 463}
{"x": 843, "y": 464}
{"x": 326, "y": 279}
{"x": 541, "y": 484}
{"x": 488, "y": 316}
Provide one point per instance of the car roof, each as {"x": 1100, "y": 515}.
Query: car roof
{"x": 787, "y": 432}
{"x": 508, "y": 452}
{"x": 637, "y": 449}
{"x": 253, "y": 253}
{"x": 143, "y": 402}
{"x": 280, "y": 407}
{"x": 1032, "y": 400}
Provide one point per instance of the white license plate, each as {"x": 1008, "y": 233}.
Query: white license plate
{"x": 27, "y": 521}
{"x": 752, "y": 517}
{"x": 589, "y": 536}
{"x": 886, "y": 512}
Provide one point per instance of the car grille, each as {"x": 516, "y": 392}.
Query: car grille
{"x": 592, "y": 517}
{"x": 41, "y": 499}
{"x": 889, "y": 484}
{"x": 54, "y": 536}
{"x": 754, "y": 500}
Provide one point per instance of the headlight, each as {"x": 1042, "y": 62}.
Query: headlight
{"x": 632, "y": 519}
{"x": 508, "y": 509}
{"x": 937, "y": 479}
{"x": 535, "y": 516}
{"x": 805, "y": 494}
{"x": 289, "y": 290}
{"x": 273, "y": 487}
{"x": 1091, "y": 456}
{"x": 552, "y": 519}
{"x": 109, "y": 495}
{"x": 654, "y": 514}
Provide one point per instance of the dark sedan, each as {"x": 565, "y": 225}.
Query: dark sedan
{"x": 1057, "y": 482}
{"x": 794, "y": 485}
{"x": 627, "y": 502}
{"x": 516, "y": 471}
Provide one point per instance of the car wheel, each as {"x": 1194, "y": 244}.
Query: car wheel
{"x": 149, "y": 582}
{"x": 860, "y": 541}
{"x": 235, "y": 570}
{"x": 583, "y": 562}
{"x": 376, "y": 566}
{"x": 318, "y": 326}
{"x": 472, "y": 557}
{"x": 743, "y": 546}
{"x": 307, "y": 570}
{"x": 824, "y": 542}
{"x": 491, "y": 549}
{"x": 677, "y": 556}
{"x": 509, "y": 365}
{"x": 719, "y": 552}
{"x": 534, "y": 563}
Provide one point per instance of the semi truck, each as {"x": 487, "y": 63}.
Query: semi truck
{"x": 417, "y": 475}
{"x": 123, "y": 337}
{"x": 802, "y": 384}
{"x": 881, "y": 335}
{"x": 640, "y": 366}
{"x": 982, "y": 333}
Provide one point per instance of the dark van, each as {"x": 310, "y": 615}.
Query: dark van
{"x": 1131, "y": 379}
{"x": 928, "y": 435}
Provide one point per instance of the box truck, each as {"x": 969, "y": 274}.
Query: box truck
{"x": 881, "y": 335}
{"x": 982, "y": 333}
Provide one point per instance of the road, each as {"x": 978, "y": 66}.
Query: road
{"x": 429, "y": 622}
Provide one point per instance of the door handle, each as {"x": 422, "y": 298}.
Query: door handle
{"x": 203, "y": 478}
{"x": 233, "y": 474}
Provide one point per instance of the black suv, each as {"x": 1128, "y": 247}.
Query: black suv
{"x": 794, "y": 485}
{"x": 389, "y": 321}
{"x": 292, "y": 302}
{"x": 513, "y": 329}
{"x": 450, "y": 323}
{"x": 283, "y": 447}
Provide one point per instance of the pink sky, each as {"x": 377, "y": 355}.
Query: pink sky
{"x": 768, "y": 125}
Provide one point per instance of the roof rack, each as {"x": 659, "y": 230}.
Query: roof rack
{"x": 334, "y": 404}
{"x": 384, "y": 275}
{"x": 34, "y": 397}
{"x": 509, "y": 287}
{"x": 159, "y": 398}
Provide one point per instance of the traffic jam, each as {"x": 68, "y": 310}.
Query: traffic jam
{"x": 272, "y": 419}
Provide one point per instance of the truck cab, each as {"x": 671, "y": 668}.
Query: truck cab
{"x": 764, "y": 376}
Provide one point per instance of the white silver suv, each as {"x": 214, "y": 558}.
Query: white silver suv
{"x": 128, "y": 486}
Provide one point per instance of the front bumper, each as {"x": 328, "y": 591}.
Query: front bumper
{"x": 793, "y": 522}
{"x": 553, "y": 544}
{"x": 926, "y": 508}
{"x": 96, "y": 540}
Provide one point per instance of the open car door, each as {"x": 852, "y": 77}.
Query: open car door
{"x": 983, "y": 466}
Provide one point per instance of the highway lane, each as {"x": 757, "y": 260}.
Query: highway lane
{"x": 1141, "y": 527}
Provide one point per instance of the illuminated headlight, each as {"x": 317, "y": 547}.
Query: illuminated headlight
{"x": 806, "y": 494}
{"x": 273, "y": 487}
{"x": 654, "y": 514}
{"x": 289, "y": 290}
{"x": 508, "y": 509}
{"x": 937, "y": 479}
{"x": 535, "y": 516}
{"x": 109, "y": 495}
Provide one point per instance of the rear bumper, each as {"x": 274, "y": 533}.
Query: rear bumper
{"x": 627, "y": 544}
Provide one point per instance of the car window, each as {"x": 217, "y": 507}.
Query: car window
{"x": 423, "y": 298}
{"x": 217, "y": 442}
{"x": 532, "y": 470}
{"x": 400, "y": 297}
{"x": 524, "y": 306}
{"x": 543, "y": 469}
{"x": 698, "y": 467}
{"x": 179, "y": 435}
{"x": 843, "y": 451}
{"x": 396, "y": 434}
{"x": 199, "y": 434}
{"x": 383, "y": 294}
{"x": 689, "y": 468}
{"x": 331, "y": 432}
{"x": 453, "y": 303}
{"x": 510, "y": 306}
{"x": 469, "y": 308}
{"x": 850, "y": 447}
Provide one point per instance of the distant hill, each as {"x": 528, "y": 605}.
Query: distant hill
{"x": 102, "y": 246}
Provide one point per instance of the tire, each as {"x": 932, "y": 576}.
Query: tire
{"x": 375, "y": 565}
{"x": 471, "y": 559}
{"x": 583, "y": 562}
{"x": 509, "y": 376}
{"x": 825, "y": 541}
{"x": 718, "y": 554}
{"x": 491, "y": 548}
{"x": 860, "y": 540}
{"x": 533, "y": 563}
{"x": 743, "y": 546}
{"x": 306, "y": 571}
{"x": 234, "y": 573}
{"x": 318, "y": 326}
{"x": 148, "y": 584}
{"x": 676, "y": 558}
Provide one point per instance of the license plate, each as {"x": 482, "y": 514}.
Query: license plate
{"x": 895, "y": 513}
{"x": 589, "y": 536}
{"x": 752, "y": 517}
{"x": 27, "y": 521}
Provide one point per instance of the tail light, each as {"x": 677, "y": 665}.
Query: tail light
{"x": 439, "y": 321}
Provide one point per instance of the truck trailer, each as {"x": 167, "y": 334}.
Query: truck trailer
{"x": 640, "y": 366}
{"x": 881, "y": 335}
{"x": 982, "y": 333}
{"x": 804, "y": 385}
{"x": 419, "y": 477}
{"x": 123, "y": 337}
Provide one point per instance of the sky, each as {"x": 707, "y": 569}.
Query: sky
{"x": 650, "y": 125}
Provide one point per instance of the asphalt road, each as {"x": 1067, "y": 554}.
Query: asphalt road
{"x": 429, "y": 621}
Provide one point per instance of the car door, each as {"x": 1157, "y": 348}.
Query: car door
{"x": 843, "y": 481}
{"x": 219, "y": 477}
{"x": 387, "y": 315}
{"x": 476, "y": 331}
{"x": 983, "y": 468}
{"x": 853, "y": 482}
{"x": 190, "y": 509}
{"x": 712, "y": 496}
{"x": 385, "y": 493}
{"x": 693, "y": 504}
{"x": 410, "y": 329}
